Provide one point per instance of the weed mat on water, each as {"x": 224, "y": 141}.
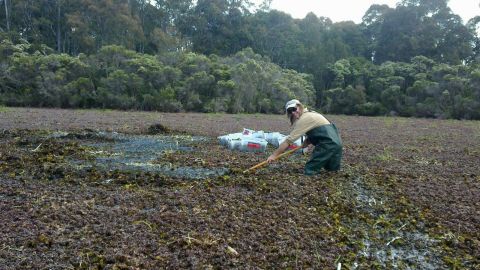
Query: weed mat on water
{"x": 59, "y": 213}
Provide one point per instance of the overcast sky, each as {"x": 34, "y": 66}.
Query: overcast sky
{"x": 353, "y": 10}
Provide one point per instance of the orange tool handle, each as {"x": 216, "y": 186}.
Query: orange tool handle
{"x": 279, "y": 156}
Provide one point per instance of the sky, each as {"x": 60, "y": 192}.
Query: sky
{"x": 353, "y": 10}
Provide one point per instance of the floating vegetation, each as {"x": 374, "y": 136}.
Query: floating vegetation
{"x": 153, "y": 198}
{"x": 385, "y": 238}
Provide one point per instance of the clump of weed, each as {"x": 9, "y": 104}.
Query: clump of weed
{"x": 386, "y": 155}
{"x": 158, "y": 129}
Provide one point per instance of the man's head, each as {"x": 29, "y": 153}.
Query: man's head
{"x": 291, "y": 105}
{"x": 294, "y": 110}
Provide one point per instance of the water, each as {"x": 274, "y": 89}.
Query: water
{"x": 125, "y": 149}
{"x": 380, "y": 246}
{"x": 123, "y": 152}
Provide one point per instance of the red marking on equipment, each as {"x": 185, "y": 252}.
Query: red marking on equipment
{"x": 253, "y": 145}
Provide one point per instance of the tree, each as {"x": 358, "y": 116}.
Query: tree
{"x": 7, "y": 14}
{"x": 109, "y": 22}
{"x": 474, "y": 27}
{"x": 275, "y": 35}
{"x": 159, "y": 21}
{"x": 345, "y": 101}
{"x": 217, "y": 26}
{"x": 372, "y": 23}
{"x": 413, "y": 28}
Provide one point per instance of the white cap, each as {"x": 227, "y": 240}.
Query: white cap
{"x": 291, "y": 103}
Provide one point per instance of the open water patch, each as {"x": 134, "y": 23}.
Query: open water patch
{"x": 127, "y": 152}
{"x": 404, "y": 247}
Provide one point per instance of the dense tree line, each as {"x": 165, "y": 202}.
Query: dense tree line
{"x": 421, "y": 88}
{"x": 416, "y": 59}
{"x": 118, "y": 78}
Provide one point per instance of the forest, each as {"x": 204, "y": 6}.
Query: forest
{"x": 417, "y": 59}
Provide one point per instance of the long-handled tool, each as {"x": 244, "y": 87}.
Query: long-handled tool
{"x": 266, "y": 161}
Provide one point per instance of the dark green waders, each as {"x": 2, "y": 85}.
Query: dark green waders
{"x": 328, "y": 149}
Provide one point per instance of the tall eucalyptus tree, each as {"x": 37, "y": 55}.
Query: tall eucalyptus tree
{"x": 414, "y": 28}
{"x": 7, "y": 15}
{"x": 217, "y": 26}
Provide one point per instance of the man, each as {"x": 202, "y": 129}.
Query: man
{"x": 320, "y": 132}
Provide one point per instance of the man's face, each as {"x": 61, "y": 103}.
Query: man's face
{"x": 293, "y": 113}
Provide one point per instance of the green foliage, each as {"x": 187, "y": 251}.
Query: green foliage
{"x": 417, "y": 59}
{"x": 261, "y": 86}
{"x": 345, "y": 101}
{"x": 371, "y": 109}
{"x": 79, "y": 93}
{"x": 117, "y": 78}
{"x": 421, "y": 88}
{"x": 427, "y": 28}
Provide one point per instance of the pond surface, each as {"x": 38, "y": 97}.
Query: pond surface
{"x": 126, "y": 152}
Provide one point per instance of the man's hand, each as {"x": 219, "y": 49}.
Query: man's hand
{"x": 308, "y": 149}
{"x": 271, "y": 158}
{"x": 281, "y": 148}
